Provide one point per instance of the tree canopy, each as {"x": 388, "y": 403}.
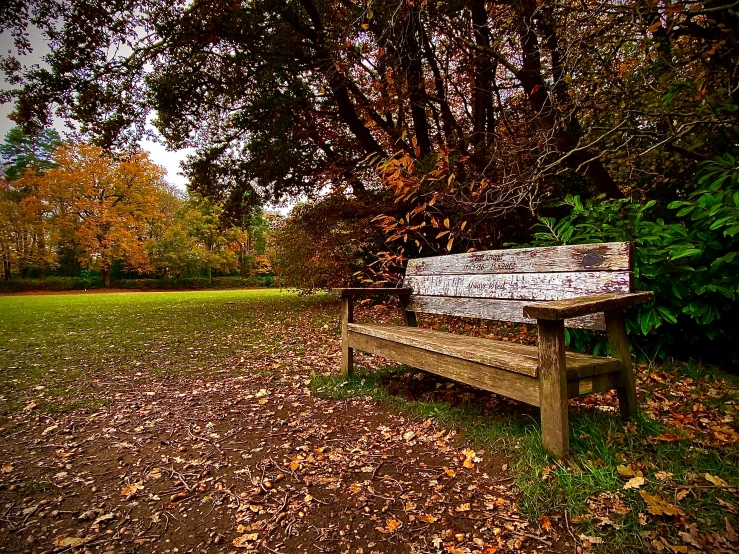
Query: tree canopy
{"x": 21, "y": 151}
{"x": 526, "y": 99}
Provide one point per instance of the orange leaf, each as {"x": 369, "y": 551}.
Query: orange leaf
{"x": 545, "y": 523}
{"x": 393, "y": 525}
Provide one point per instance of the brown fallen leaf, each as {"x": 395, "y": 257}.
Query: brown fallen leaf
{"x": 244, "y": 540}
{"x": 7, "y": 467}
{"x": 67, "y": 542}
{"x": 128, "y": 490}
{"x": 393, "y": 525}
{"x": 658, "y": 506}
{"x": 634, "y": 483}
{"x": 49, "y": 429}
{"x": 627, "y": 471}
{"x": 716, "y": 481}
{"x": 470, "y": 458}
{"x": 545, "y": 523}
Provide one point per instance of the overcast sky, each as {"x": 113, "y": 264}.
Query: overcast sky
{"x": 169, "y": 160}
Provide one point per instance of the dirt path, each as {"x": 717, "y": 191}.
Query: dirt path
{"x": 250, "y": 463}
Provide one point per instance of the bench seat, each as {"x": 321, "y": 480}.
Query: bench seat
{"x": 509, "y": 356}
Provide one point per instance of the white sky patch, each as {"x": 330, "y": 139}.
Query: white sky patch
{"x": 170, "y": 160}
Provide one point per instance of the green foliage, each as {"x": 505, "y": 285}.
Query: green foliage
{"x": 689, "y": 257}
{"x": 93, "y": 280}
{"x": 23, "y": 151}
{"x": 196, "y": 240}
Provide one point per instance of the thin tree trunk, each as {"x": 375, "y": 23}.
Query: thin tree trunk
{"x": 42, "y": 255}
{"x": 532, "y": 79}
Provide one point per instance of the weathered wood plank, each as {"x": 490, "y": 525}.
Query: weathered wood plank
{"x": 511, "y": 356}
{"x": 588, "y": 366}
{"x": 619, "y": 343}
{"x": 573, "y": 307}
{"x": 347, "y": 353}
{"x": 555, "y": 431}
{"x": 371, "y": 291}
{"x": 521, "y": 286}
{"x": 491, "y": 308}
{"x": 513, "y": 385}
{"x": 612, "y": 256}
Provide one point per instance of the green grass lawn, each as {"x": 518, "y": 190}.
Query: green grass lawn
{"x": 65, "y": 342}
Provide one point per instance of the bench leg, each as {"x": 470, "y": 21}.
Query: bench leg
{"x": 347, "y": 353}
{"x": 555, "y": 432}
{"x": 619, "y": 342}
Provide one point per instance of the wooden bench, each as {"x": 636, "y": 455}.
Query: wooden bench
{"x": 585, "y": 286}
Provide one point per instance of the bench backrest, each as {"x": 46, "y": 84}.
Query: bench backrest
{"x": 496, "y": 284}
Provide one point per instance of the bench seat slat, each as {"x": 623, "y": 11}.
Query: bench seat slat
{"x": 518, "y": 358}
{"x": 494, "y": 309}
{"x": 521, "y": 286}
{"x": 501, "y": 381}
{"x": 612, "y": 256}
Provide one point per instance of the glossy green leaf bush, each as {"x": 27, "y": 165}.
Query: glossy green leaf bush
{"x": 689, "y": 257}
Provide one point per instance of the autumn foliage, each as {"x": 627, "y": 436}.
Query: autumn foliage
{"x": 102, "y": 211}
{"x": 107, "y": 209}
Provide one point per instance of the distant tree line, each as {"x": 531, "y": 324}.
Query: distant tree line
{"x": 67, "y": 207}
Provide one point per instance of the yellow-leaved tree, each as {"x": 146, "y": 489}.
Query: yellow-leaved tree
{"x": 105, "y": 208}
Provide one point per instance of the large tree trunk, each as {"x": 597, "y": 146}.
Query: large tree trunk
{"x": 532, "y": 79}
{"x": 413, "y": 70}
{"x": 106, "y": 277}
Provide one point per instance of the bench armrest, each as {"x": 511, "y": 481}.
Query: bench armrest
{"x": 371, "y": 292}
{"x": 584, "y": 305}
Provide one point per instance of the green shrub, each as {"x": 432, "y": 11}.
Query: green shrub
{"x": 49, "y": 284}
{"x": 689, "y": 258}
{"x": 92, "y": 280}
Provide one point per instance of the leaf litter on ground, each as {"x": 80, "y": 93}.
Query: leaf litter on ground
{"x": 202, "y": 430}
